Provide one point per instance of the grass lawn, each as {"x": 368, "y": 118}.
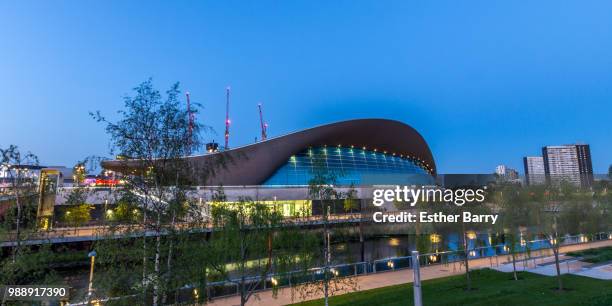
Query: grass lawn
{"x": 594, "y": 255}
{"x": 492, "y": 288}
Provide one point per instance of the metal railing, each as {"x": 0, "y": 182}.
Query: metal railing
{"x": 540, "y": 248}
{"x": 532, "y": 249}
{"x": 95, "y": 232}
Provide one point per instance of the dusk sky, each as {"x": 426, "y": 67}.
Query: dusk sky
{"x": 484, "y": 83}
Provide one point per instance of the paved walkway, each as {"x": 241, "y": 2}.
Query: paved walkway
{"x": 372, "y": 281}
{"x": 546, "y": 265}
{"x": 601, "y": 272}
{"x": 567, "y": 265}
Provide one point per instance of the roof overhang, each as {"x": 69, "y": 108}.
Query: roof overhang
{"x": 253, "y": 164}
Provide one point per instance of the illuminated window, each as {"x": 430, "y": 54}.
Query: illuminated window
{"x": 350, "y": 166}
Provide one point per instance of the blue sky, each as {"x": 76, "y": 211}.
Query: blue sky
{"x": 485, "y": 83}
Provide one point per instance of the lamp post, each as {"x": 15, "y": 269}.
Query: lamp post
{"x": 91, "y": 255}
{"x": 418, "y": 299}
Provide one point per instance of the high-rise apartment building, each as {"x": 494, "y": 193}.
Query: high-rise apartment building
{"x": 534, "y": 170}
{"x": 585, "y": 165}
{"x": 571, "y": 163}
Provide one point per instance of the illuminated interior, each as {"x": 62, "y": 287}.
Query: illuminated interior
{"x": 351, "y": 166}
{"x": 288, "y": 208}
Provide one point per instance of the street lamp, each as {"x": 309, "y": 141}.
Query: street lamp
{"x": 91, "y": 255}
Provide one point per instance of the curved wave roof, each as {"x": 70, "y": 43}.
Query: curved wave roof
{"x": 253, "y": 164}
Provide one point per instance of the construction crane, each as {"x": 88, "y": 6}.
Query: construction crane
{"x": 227, "y": 120}
{"x": 191, "y": 117}
{"x": 264, "y": 126}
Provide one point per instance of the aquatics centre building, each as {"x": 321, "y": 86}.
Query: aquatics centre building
{"x": 356, "y": 154}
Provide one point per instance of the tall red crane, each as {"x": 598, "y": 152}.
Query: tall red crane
{"x": 264, "y": 126}
{"x": 227, "y": 120}
{"x": 191, "y": 117}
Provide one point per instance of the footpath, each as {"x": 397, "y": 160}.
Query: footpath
{"x": 384, "y": 279}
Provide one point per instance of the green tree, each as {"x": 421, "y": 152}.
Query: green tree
{"x": 323, "y": 194}
{"x": 79, "y": 174}
{"x": 126, "y": 211}
{"x": 251, "y": 242}
{"x": 155, "y": 133}
{"x": 554, "y": 208}
{"x": 465, "y": 230}
{"x": 516, "y": 216}
{"x": 22, "y": 185}
{"x": 77, "y": 215}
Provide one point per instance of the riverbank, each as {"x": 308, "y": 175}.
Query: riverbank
{"x": 489, "y": 288}
{"x": 379, "y": 280}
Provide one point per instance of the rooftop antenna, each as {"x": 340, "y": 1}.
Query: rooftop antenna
{"x": 227, "y": 120}
{"x": 264, "y": 126}
{"x": 191, "y": 121}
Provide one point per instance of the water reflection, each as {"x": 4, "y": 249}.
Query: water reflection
{"x": 479, "y": 244}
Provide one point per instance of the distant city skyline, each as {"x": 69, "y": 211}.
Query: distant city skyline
{"x": 485, "y": 83}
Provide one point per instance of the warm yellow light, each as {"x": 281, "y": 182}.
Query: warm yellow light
{"x": 274, "y": 281}
{"x": 471, "y": 235}
{"x": 334, "y": 272}
{"x": 435, "y": 238}
{"x": 196, "y": 294}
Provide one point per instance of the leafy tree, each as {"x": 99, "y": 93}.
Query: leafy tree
{"x": 516, "y": 214}
{"x": 79, "y": 173}
{"x": 26, "y": 264}
{"x": 554, "y": 204}
{"x": 78, "y": 212}
{"x": 244, "y": 243}
{"x": 465, "y": 230}
{"x": 322, "y": 192}
{"x": 22, "y": 185}
{"x": 126, "y": 211}
{"x": 78, "y": 215}
{"x": 155, "y": 133}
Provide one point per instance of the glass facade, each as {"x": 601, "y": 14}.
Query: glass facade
{"x": 288, "y": 208}
{"x": 350, "y": 166}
